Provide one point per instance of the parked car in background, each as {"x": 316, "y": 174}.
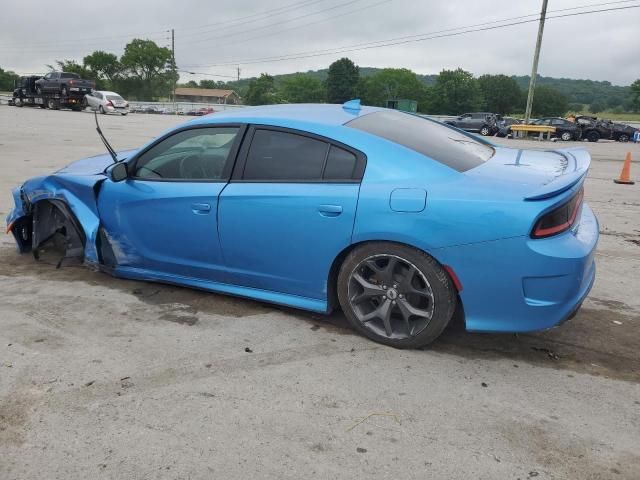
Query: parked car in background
{"x": 63, "y": 83}
{"x": 565, "y": 130}
{"x": 484, "y": 123}
{"x": 106, "y": 102}
{"x": 594, "y": 129}
{"x": 204, "y": 111}
{"x": 622, "y": 133}
{"x": 504, "y": 125}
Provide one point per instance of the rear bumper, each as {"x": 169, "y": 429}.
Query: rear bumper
{"x": 521, "y": 284}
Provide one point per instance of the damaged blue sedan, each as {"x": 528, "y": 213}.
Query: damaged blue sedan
{"x": 398, "y": 220}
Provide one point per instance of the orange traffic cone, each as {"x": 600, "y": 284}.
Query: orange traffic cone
{"x": 625, "y": 174}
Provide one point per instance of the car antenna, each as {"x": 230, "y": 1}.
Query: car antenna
{"x": 109, "y": 148}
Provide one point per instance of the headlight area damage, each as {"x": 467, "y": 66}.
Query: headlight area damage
{"x": 48, "y": 227}
{"x": 57, "y": 215}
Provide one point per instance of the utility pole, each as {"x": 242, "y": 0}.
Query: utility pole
{"x": 238, "y": 70}
{"x": 534, "y": 68}
{"x": 173, "y": 58}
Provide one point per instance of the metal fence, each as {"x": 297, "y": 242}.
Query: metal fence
{"x": 184, "y": 108}
{"x": 180, "y": 108}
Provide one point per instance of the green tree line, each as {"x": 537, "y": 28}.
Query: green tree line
{"x": 450, "y": 92}
{"x": 145, "y": 71}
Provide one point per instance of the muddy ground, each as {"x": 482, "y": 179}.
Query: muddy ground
{"x": 107, "y": 378}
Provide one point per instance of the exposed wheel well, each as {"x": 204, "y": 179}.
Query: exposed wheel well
{"x": 47, "y": 222}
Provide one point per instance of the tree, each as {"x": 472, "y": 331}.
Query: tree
{"x": 212, "y": 84}
{"x": 342, "y": 81}
{"x": 150, "y": 69}
{"x": 597, "y": 106}
{"x": 301, "y": 88}
{"x": 393, "y": 84}
{"x": 635, "y": 95}
{"x": 105, "y": 66}
{"x": 6, "y": 80}
{"x": 262, "y": 91}
{"x": 501, "y": 93}
{"x": 548, "y": 102}
{"x": 455, "y": 92}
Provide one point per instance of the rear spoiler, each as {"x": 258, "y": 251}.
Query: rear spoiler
{"x": 578, "y": 161}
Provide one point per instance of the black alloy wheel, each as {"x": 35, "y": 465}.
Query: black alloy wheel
{"x": 395, "y": 294}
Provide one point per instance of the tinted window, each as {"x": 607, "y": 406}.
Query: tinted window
{"x": 558, "y": 121}
{"x": 433, "y": 139}
{"x": 341, "y": 164}
{"x": 276, "y": 155}
{"x": 115, "y": 98}
{"x": 69, "y": 75}
{"x": 196, "y": 154}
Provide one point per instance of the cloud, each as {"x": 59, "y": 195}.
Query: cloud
{"x": 600, "y": 46}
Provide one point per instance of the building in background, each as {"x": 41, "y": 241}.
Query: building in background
{"x": 207, "y": 95}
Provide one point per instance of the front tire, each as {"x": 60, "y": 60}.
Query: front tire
{"x": 395, "y": 294}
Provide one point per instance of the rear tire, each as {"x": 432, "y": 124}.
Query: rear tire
{"x": 395, "y": 295}
{"x": 593, "y": 136}
{"x": 623, "y": 138}
{"x": 485, "y": 131}
{"x": 565, "y": 136}
{"x": 101, "y": 110}
{"x": 52, "y": 104}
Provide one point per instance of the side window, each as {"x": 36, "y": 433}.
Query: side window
{"x": 195, "y": 154}
{"x": 341, "y": 164}
{"x": 275, "y": 155}
{"x": 47, "y": 76}
{"x": 557, "y": 121}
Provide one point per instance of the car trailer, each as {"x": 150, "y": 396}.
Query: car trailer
{"x": 25, "y": 94}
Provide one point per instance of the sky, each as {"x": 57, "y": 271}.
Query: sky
{"x": 215, "y": 37}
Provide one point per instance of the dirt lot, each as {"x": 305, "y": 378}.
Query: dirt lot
{"x": 106, "y": 378}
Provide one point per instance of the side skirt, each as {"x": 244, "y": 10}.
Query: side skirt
{"x": 304, "y": 303}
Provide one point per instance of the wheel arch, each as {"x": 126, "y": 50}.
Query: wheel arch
{"x": 334, "y": 270}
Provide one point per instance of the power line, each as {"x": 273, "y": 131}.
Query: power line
{"x": 200, "y": 40}
{"x": 295, "y": 27}
{"x": 403, "y": 40}
{"x": 261, "y": 16}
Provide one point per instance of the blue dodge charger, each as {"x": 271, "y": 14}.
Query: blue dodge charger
{"x": 396, "y": 219}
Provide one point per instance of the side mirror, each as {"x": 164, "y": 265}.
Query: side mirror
{"x": 118, "y": 172}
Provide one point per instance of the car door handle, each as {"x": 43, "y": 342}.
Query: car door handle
{"x": 200, "y": 208}
{"x": 330, "y": 210}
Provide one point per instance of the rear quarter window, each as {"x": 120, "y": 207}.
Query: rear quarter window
{"x": 433, "y": 139}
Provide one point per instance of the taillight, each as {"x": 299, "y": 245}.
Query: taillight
{"x": 71, "y": 82}
{"x": 109, "y": 103}
{"x": 559, "y": 219}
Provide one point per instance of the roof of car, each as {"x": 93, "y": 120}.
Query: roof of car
{"x": 107, "y": 92}
{"x": 326, "y": 114}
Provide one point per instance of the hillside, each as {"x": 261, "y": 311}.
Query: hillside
{"x": 577, "y": 91}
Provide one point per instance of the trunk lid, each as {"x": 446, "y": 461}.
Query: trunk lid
{"x": 534, "y": 174}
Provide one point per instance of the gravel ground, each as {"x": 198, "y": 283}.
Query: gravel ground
{"x": 104, "y": 378}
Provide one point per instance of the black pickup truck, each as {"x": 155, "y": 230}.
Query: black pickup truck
{"x": 63, "y": 83}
